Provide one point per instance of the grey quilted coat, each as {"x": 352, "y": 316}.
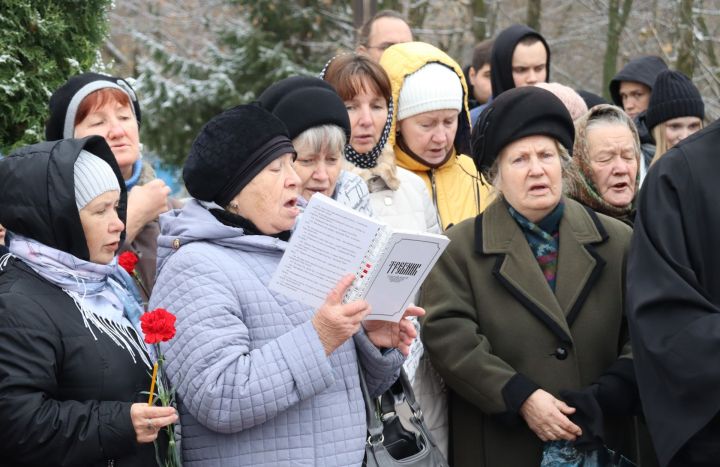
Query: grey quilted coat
{"x": 254, "y": 385}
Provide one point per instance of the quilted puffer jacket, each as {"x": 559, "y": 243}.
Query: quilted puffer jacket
{"x": 253, "y": 381}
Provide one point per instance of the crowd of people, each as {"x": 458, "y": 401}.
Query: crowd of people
{"x": 572, "y": 309}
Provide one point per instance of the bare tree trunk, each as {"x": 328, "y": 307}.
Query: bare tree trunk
{"x": 686, "y": 44}
{"x": 480, "y": 17}
{"x": 708, "y": 40}
{"x": 534, "y": 9}
{"x": 617, "y": 18}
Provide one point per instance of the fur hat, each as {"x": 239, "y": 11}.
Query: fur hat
{"x": 674, "y": 95}
{"x": 515, "y": 114}
{"x": 67, "y": 98}
{"x": 303, "y": 102}
{"x": 231, "y": 149}
{"x": 93, "y": 177}
{"x": 432, "y": 87}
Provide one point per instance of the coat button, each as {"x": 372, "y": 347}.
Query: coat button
{"x": 561, "y": 353}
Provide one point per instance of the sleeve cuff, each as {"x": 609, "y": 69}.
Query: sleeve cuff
{"x": 516, "y": 391}
{"x": 305, "y": 356}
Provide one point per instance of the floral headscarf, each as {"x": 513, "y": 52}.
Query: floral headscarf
{"x": 583, "y": 187}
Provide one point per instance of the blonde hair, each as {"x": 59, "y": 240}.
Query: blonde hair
{"x": 661, "y": 142}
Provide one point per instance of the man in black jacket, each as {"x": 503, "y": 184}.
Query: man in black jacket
{"x": 673, "y": 301}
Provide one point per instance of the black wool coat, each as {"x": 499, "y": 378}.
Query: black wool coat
{"x": 673, "y": 297}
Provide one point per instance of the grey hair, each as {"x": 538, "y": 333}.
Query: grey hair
{"x": 612, "y": 115}
{"x": 493, "y": 173}
{"x": 328, "y": 137}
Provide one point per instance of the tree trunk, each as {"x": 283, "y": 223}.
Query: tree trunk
{"x": 534, "y": 9}
{"x": 617, "y": 17}
{"x": 686, "y": 43}
{"x": 480, "y": 18}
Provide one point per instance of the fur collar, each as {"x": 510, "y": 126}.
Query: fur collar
{"x": 386, "y": 169}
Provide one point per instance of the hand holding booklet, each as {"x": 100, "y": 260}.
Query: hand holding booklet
{"x": 332, "y": 240}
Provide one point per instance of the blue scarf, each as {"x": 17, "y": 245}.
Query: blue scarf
{"x": 137, "y": 170}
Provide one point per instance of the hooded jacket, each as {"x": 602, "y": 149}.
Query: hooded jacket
{"x": 254, "y": 383}
{"x": 65, "y": 397}
{"x": 501, "y": 76}
{"x": 642, "y": 70}
{"x": 455, "y": 187}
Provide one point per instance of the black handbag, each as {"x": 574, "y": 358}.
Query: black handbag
{"x": 389, "y": 443}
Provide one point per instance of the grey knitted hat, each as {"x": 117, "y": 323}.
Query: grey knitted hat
{"x": 93, "y": 177}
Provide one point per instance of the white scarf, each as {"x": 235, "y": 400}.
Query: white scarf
{"x": 99, "y": 291}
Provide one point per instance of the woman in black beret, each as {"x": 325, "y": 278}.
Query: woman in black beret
{"x": 524, "y": 310}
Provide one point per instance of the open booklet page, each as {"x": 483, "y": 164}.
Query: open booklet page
{"x": 332, "y": 240}
{"x": 329, "y": 242}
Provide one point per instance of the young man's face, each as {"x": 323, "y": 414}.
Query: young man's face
{"x": 529, "y": 64}
{"x": 480, "y": 79}
{"x": 635, "y": 97}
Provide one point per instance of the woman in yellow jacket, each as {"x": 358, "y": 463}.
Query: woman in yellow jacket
{"x": 432, "y": 131}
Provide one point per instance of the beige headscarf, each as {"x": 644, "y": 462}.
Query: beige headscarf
{"x": 582, "y": 187}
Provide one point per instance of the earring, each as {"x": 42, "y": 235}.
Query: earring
{"x": 234, "y": 206}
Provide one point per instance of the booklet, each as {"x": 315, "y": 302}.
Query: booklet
{"x": 332, "y": 240}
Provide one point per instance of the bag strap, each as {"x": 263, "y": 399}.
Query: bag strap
{"x": 374, "y": 423}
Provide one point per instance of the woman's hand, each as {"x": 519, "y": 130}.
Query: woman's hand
{"x": 386, "y": 334}
{"x": 147, "y": 420}
{"x": 547, "y": 417}
{"x": 334, "y": 322}
{"x": 145, "y": 203}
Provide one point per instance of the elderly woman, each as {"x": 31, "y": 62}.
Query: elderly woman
{"x": 94, "y": 104}
{"x": 676, "y": 111}
{"x": 318, "y": 127}
{"x": 606, "y": 159}
{"x": 397, "y": 196}
{"x": 73, "y": 370}
{"x": 432, "y": 128}
{"x": 261, "y": 379}
{"x": 527, "y": 301}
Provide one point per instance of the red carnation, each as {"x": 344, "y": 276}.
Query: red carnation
{"x": 158, "y": 326}
{"x": 127, "y": 261}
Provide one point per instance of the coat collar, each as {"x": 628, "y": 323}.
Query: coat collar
{"x": 579, "y": 265}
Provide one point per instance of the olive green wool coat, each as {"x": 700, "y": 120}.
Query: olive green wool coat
{"x": 496, "y": 332}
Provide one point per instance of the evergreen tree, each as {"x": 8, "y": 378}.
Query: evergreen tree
{"x": 268, "y": 41}
{"x": 42, "y": 43}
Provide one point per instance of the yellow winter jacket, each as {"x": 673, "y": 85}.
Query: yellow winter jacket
{"x": 455, "y": 187}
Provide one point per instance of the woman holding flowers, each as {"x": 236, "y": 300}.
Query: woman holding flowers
{"x": 261, "y": 380}
{"x": 73, "y": 368}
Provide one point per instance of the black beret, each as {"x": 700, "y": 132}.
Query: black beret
{"x": 303, "y": 102}
{"x": 231, "y": 149}
{"x": 67, "y": 98}
{"x": 515, "y": 114}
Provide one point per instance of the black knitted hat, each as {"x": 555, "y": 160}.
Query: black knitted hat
{"x": 515, "y": 114}
{"x": 303, "y": 102}
{"x": 674, "y": 95}
{"x": 231, "y": 149}
{"x": 67, "y": 98}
